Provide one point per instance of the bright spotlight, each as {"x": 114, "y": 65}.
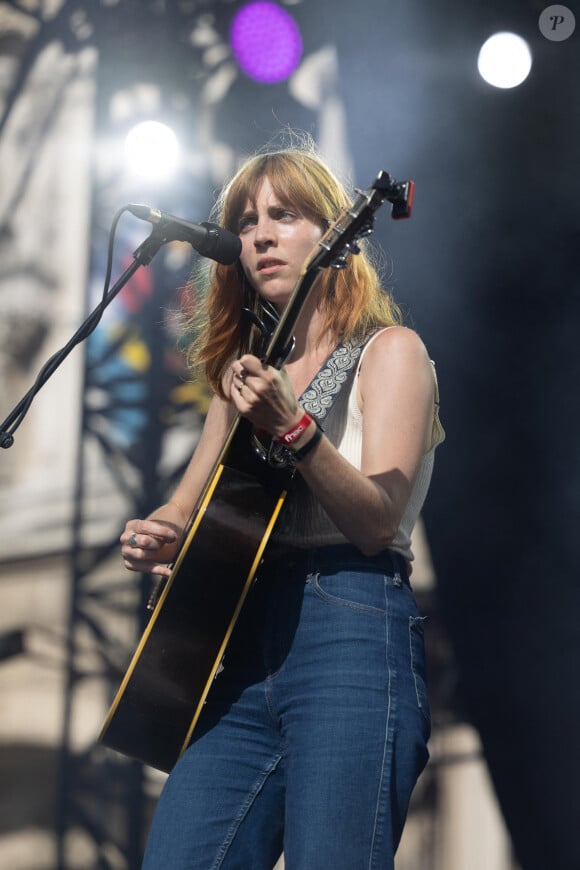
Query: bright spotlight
{"x": 505, "y": 60}
{"x": 152, "y": 150}
{"x": 266, "y": 42}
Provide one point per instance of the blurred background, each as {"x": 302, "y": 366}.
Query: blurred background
{"x": 110, "y": 102}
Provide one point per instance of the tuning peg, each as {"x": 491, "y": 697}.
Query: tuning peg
{"x": 339, "y": 263}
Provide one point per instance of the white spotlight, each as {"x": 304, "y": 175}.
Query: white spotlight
{"x": 152, "y": 150}
{"x": 505, "y": 60}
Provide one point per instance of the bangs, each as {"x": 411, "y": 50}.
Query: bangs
{"x": 298, "y": 180}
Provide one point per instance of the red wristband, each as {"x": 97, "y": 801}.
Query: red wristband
{"x": 296, "y": 431}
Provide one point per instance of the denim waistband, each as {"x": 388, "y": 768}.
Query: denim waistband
{"x": 334, "y": 556}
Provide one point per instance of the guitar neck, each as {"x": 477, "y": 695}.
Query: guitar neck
{"x": 276, "y": 351}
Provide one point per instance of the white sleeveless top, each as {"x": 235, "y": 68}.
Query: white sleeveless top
{"x": 304, "y": 523}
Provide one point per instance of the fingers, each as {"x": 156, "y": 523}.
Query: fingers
{"x": 263, "y": 394}
{"x": 242, "y": 393}
{"x": 144, "y": 546}
{"x": 241, "y": 373}
{"x": 239, "y": 380}
{"x": 250, "y": 365}
{"x": 253, "y": 379}
{"x": 143, "y": 566}
{"x": 144, "y": 534}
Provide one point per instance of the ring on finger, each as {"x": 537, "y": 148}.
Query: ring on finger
{"x": 133, "y": 540}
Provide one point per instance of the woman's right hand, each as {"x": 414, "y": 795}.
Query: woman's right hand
{"x": 148, "y": 546}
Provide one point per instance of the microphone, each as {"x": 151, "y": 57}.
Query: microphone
{"x": 209, "y": 240}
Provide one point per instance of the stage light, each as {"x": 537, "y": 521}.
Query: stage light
{"x": 504, "y": 60}
{"x": 266, "y": 42}
{"x": 151, "y": 150}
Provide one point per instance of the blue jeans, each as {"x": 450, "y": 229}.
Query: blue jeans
{"x": 315, "y": 732}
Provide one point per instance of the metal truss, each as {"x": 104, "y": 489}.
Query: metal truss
{"x": 136, "y": 408}
{"x": 107, "y": 796}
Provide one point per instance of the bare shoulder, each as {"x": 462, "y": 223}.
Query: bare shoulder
{"x": 396, "y": 345}
{"x": 396, "y": 367}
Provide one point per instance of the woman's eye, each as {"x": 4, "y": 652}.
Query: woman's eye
{"x": 246, "y": 222}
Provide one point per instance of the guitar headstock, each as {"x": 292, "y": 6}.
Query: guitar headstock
{"x": 342, "y": 237}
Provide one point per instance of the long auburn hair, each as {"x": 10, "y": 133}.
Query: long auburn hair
{"x": 350, "y": 300}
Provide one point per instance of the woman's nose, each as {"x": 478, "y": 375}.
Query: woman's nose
{"x": 265, "y": 232}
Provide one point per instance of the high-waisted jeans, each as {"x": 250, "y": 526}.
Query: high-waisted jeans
{"x": 315, "y": 732}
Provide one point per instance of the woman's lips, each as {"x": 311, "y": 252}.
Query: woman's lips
{"x": 269, "y": 265}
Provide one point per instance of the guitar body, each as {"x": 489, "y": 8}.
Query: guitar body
{"x": 158, "y": 704}
{"x": 163, "y": 692}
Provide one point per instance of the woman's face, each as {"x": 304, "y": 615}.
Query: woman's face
{"x": 276, "y": 240}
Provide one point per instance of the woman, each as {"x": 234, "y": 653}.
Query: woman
{"x": 313, "y": 736}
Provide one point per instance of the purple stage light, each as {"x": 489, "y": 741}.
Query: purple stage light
{"x": 266, "y": 42}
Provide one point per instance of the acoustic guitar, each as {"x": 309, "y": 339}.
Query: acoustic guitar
{"x": 157, "y": 706}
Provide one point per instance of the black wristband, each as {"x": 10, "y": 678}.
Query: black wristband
{"x": 299, "y": 454}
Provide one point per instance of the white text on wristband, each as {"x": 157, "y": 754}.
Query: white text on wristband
{"x": 296, "y": 431}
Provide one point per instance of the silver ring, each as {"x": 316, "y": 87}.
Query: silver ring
{"x": 133, "y": 540}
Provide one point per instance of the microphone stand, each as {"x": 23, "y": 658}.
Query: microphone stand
{"x": 142, "y": 256}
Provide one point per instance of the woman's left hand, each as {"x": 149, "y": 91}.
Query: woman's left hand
{"x": 264, "y": 395}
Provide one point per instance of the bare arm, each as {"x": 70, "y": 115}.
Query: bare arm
{"x": 158, "y": 537}
{"x": 396, "y": 392}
